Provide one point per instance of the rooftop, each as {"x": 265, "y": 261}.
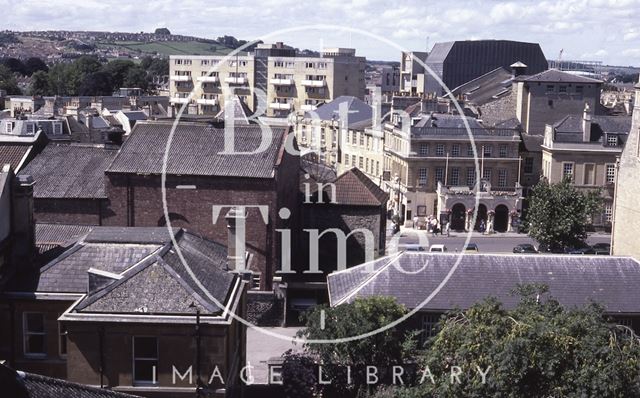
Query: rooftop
{"x": 197, "y": 149}
{"x": 354, "y": 188}
{"x": 557, "y": 76}
{"x": 359, "y": 113}
{"x": 70, "y": 171}
{"x": 411, "y": 277}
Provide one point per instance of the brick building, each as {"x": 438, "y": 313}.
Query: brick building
{"x": 66, "y": 320}
{"x": 199, "y": 176}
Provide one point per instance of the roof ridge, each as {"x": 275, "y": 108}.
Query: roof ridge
{"x": 368, "y": 279}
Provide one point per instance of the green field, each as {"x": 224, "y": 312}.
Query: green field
{"x": 170, "y": 47}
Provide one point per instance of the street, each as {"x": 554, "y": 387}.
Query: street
{"x": 497, "y": 243}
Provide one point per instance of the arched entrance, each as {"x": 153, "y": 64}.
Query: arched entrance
{"x": 482, "y": 215}
{"x": 501, "y": 220}
{"x": 458, "y": 215}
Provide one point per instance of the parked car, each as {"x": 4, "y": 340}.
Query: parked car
{"x": 412, "y": 248}
{"x": 582, "y": 250}
{"x": 438, "y": 248}
{"x": 471, "y": 248}
{"x": 524, "y": 248}
{"x": 602, "y": 248}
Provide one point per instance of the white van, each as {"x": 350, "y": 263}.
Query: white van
{"x": 438, "y": 248}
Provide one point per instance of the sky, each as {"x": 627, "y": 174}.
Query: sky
{"x": 600, "y": 30}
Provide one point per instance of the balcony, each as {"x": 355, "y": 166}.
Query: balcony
{"x": 236, "y": 80}
{"x": 209, "y": 79}
{"x": 281, "y": 82}
{"x": 207, "y": 101}
{"x": 308, "y": 107}
{"x": 280, "y": 105}
{"x": 180, "y": 78}
{"x": 179, "y": 100}
{"x": 314, "y": 83}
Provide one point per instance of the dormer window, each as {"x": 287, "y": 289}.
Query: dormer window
{"x": 612, "y": 140}
{"x": 57, "y": 128}
{"x": 31, "y": 128}
{"x": 8, "y": 127}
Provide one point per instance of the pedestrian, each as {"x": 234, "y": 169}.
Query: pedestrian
{"x": 482, "y": 226}
{"x": 448, "y": 228}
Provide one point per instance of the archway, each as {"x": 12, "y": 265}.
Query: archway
{"x": 482, "y": 215}
{"x": 501, "y": 220}
{"x": 458, "y": 216}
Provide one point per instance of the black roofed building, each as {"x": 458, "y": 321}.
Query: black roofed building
{"x": 459, "y": 62}
{"x": 66, "y": 320}
{"x": 585, "y": 148}
{"x": 412, "y": 277}
{"x": 70, "y": 184}
{"x": 200, "y": 175}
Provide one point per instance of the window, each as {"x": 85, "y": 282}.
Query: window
{"x": 502, "y": 178}
{"x": 377, "y": 167}
{"x": 346, "y": 159}
{"x": 455, "y": 150}
{"x": 487, "y": 150}
{"x": 589, "y": 177}
{"x": 567, "y": 170}
{"x": 608, "y": 212}
{"x": 440, "y": 150}
{"x": 278, "y": 64}
{"x": 361, "y": 138}
{"x": 8, "y": 127}
{"x": 486, "y": 175}
{"x": 503, "y": 150}
{"x": 469, "y": 150}
{"x": 429, "y": 327}
{"x": 611, "y": 173}
{"x": 439, "y": 175}
{"x": 62, "y": 339}
{"x": 455, "y": 176}
{"x": 34, "y": 334}
{"x": 551, "y": 88}
{"x": 31, "y": 128}
{"x": 528, "y": 165}
{"x": 562, "y": 89}
{"x": 145, "y": 359}
{"x": 353, "y": 160}
{"x": 422, "y": 176}
{"x": 471, "y": 176}
{"x": 579, "y": 89}
{"x": 424, "y": 149}
{"x": 612, "y": 140}
{"x": 361, "y": 163}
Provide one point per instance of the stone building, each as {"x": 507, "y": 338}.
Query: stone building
{"x": 626, "y": 227}
{"x": 437, "y": 151}
{"x": 585, "y": 149}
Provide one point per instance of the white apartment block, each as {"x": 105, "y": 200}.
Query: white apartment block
{"x": 272, "y": 80}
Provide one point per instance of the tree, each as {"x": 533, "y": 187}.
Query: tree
{"x": 538, "y": 349}
{"x": 15, "y": 65}
{"x": 383, "y": 349}
{"x": 40, "y": 83}
{"x": 34, "y": 64}
{"x": 97, "y": 83}
{"x": 136, "y": 77}
{"x": 118, "y": 71}
{"x": 559, "y": 214}
{"x": 162, "y": 31}
{"x": 8, "y": 81}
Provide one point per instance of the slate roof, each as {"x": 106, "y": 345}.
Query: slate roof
{"x": 359, "y": 113}
{"x": 569, "y": 128}
{"x": 29, "y": 385}
{"x": 70, "y": 171}
{"x": 14, "y": 154}
{"x": 124, "y": 269}
{"x": 356, "y": 189}
{"x": 557, "y": 76}
{"x": 532, "y": 143}
{"x": 487, "y": 87}
{"x": 572, "y": 280}
{"x": 58, "y": 236}
{"x": 196, "y": 150}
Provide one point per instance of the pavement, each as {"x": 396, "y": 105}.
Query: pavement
{"x": 261, "y": 347}
{"x": 494, "y": 243}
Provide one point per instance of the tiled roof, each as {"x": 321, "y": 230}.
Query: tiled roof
{"x": 29, "y": 385}
{"x": 13, "y": 154}
{"x": 196, "y": 149}
{"x": 137, "y": 267}
{"x": 355, "y": 188}
{"x": 572, "y": 280}
{"x": 70, "y": 171}
{"x": 58, "y": 236}
{"x": 557, "y": 76}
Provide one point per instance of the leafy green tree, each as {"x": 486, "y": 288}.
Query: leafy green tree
{"x": 60, "y": 80}
{"x": 383, "y": 349}
{"x": 96, "y": 83}
{"x": 8, "y": 81}
{"x": 538, "y": 349}
{"x": 136, "y": 77}
{"x": 39, "y": 83}
{"x": 118, "y": 70}
{"x": 15, "y": 65}
{"x": 559, "y": 214}
{"x": 34, "y": 64}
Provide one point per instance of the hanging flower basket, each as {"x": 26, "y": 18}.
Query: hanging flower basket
{"x": 469, "y": 211}
{"x": 491, "y": 212}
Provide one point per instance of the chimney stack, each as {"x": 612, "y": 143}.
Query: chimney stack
{"x": 518, "y": 69}
{"x": 22, "y": 222}
{"x": 586, "y": 123}
{"x": 236, "y": 234}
